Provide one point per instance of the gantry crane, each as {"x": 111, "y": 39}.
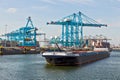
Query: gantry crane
{"x": 72, "y": 28}
{"x": 25, "y": 36}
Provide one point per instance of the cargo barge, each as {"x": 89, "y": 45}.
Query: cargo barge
{"x": 96, "y": 49}
{"x": 66, "y": 58}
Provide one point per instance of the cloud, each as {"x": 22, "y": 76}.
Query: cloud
{"x": 115, "y": 24}
{"x": 67, "y": 1}
{"x": 99, "y": 20}
{"x": 49, "y": 1}
{"x": 40, "y": 7}
{"x": 78, "y": 1}
{"x": 11, "y": 10}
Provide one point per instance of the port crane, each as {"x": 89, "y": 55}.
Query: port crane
{"x": 25, "y": 36}
{"x": 72, "y": 28}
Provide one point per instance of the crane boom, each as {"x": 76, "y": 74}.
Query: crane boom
{"x": 74, "y": 23}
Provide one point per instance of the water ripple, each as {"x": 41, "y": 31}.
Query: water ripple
{"x": 34, "y": 67}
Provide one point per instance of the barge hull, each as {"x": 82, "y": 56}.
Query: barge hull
{"x": 83, "y": 58}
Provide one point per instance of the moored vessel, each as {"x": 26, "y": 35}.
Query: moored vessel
{"x": 75, "y": 57}
{"x": 96, "y": 50}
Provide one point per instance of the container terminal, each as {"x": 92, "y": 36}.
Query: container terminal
{"x": 71, "y": 48}
{"x": 75, "y": 50}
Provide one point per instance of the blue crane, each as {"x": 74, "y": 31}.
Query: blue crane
{"x": 72, "y": 28}
{"x": 25, "y": 36}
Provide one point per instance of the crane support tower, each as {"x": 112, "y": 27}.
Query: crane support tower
{"x": 72, "y": 28}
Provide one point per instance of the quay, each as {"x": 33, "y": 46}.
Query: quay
{"x": 18, "y": 50}
{"x": 115, "y": 49}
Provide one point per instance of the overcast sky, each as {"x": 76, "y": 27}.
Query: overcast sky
{"x": 13, "y": 13}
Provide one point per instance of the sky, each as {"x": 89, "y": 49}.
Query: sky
{"x": 13, "y": 13}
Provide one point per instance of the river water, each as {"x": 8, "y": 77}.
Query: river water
{"x": 34, "y": 67}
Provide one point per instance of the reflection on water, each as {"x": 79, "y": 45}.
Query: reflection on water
{"x": 34, "y": 67}
{"x": 64, "y": 68}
